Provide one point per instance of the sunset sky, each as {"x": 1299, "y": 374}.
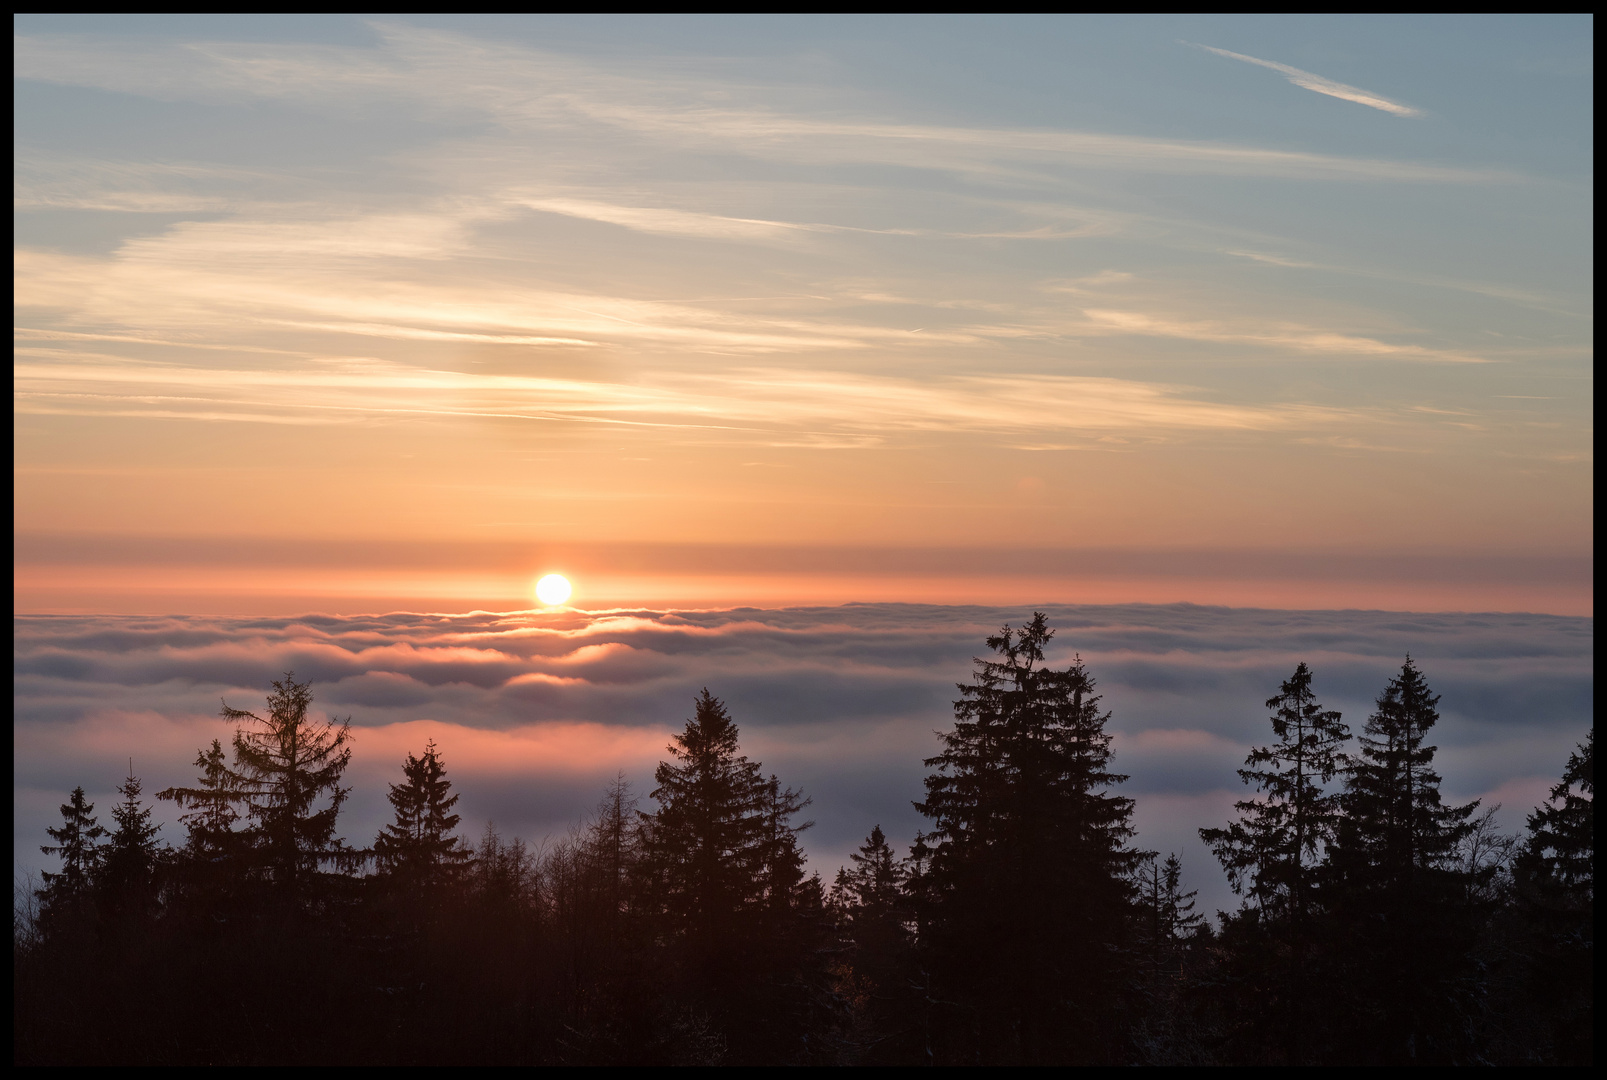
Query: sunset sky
{"x": 318, "y": 312}
{"x": 1225, "y": 341}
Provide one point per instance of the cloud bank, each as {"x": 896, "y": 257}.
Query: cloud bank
{"x": 534, "y": 711}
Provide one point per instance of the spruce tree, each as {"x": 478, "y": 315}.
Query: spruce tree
{"x": 871, "y": 895}
{"x": 212, "y": 866}
{"x": 129, "y": 859}
{"x": 706, "y": 839}
{"x": 1559, "y": 852}
{"x": 418, "y": 850}
{"x": 1555, "y": 878}
{"x": 726, "y": 881}
{"x": 1025, "y": 879}
{"x": 1399, "y": 888}
{"x": 874, "y": 976}
{"x": 781, "y": 859}
{"x": 211, "y": 807}
{"x": 78, "y": 845}
{"x": 1168, "y": 911}
{"x": 285, "y": 764}
{"x": 1274, "y": 852}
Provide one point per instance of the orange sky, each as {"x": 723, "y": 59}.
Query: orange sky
{"x": 1132, "y": 321}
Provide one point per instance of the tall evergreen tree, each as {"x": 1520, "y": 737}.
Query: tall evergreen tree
{"x": 1401, "y": 892}
{"x": 706, "y": 839}
{"x": 285, "y": 764}
{"x": 1274, "y": 852}
{"x": 210, "y": 808}
{"x": 129, "y": 859}
{"x": 212, "y": 866}
{"x": 1026, "y": 878}
{"x": 78, "y": 842}
{"x": 728, "y": 883}
{"x": 418, "y": 849}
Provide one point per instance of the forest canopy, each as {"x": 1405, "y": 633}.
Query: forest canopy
{"x": 1377, "y": 924}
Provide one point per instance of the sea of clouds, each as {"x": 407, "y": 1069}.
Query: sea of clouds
{"x": 535, "y": 711}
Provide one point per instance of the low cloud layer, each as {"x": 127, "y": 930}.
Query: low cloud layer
{"x": 535, "y": 711}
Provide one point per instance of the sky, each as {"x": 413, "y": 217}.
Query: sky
{"x": 811, "y": 349}
{"x": 356, "y": 313}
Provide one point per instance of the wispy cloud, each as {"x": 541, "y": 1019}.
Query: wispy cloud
{"x": 526, "y": 89}
{"x": 669, "y": 221}
{"x": 1319, "y": 84}
{"x": 57, "y": 182}
{"x": 1523, "y": 297}
{"x": 1280, "y": 335}
{"x": 755, "y": 404}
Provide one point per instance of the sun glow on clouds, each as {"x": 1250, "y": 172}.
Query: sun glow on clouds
{"x": 535, "y": 711}
{"x": 440, "y": 282}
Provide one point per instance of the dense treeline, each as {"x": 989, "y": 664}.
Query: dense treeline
{"x": 1377, "y": 924}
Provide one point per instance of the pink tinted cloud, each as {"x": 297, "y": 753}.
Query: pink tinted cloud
{"x": 535, "y": 711}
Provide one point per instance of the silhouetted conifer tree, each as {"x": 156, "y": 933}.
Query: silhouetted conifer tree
{"x": 1554, "y": 874}
{"x": 790, "y": 932}
{"x": 605, "y": 950}
{"x": 725, "y": 871}
{"x": 613, "y": 846}
{"x": 129, "y": 858}
{"x": 871, "y": 895}
{"x": 706, "y": 842}
{"x": 1273, "y": 853}
{"x": 781, "y": 860}
{"x": 504, "y": 872}
{"x": 285, "y": 763}
{"x": 1025, "y": 881}
{"x": 1020, "y": 929}
{"x": 1168, "y": 911}
{"x": 211, "y": 868}
{"x": 1401, "y": 894}
{"x": 212, "y": 814}
{"x": 78, "y": 843}
{"x": 418, "y": 851}
{"x": 1558, "y": 858}
{"x": 874, "y": 976}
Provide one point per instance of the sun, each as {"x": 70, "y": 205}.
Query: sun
{"x": 553, "y": 589}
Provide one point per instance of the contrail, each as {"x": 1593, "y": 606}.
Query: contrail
{"x": 1319, "y": 84}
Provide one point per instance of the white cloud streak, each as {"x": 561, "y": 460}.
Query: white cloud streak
{"x": 1279, "y": 335}
{"x": 525, "y": 89}
{"x": 758, "y": 404}
{"x": 1319, "y": 84}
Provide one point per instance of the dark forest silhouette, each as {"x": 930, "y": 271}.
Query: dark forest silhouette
{"x": 1378, "y": 925}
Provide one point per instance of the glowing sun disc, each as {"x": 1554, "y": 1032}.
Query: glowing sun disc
{"x": 552, "y": 589}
